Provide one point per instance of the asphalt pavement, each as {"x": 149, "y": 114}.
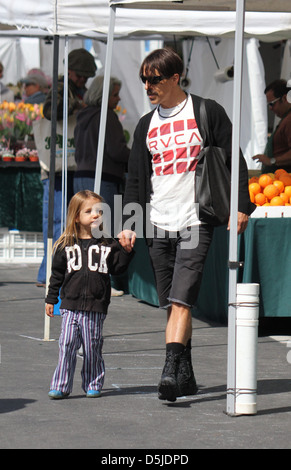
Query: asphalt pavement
{"x": 129, "y": 416}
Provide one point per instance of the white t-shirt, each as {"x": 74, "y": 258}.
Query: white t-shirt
{"x": 174, "y": 142}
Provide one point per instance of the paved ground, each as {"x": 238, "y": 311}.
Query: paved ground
{"x": 128, "y": 415}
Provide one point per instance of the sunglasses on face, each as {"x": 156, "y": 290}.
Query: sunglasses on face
{"x": 154, "y": 80}
{"x": 271, "y": 103}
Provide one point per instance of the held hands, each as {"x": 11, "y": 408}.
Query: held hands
{"x": 127, "y": 239}
{"x": 49, "y": 310}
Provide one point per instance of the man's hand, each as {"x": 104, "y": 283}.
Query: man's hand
{"x": 242, "y": 222}
{"x": 127, "y": 239}
{"x": 261, "y": 157}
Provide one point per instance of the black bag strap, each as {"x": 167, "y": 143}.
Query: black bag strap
{"x": 204, "y": 122}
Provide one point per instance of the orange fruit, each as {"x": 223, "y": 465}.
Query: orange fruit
{"x": 254, "y": 179}
{"x": 288, "y": 190}
{"x": 255, "y": 188}
{"x": 266, "y": 204}
{"x": 280, "y": 185}
{"x": 279, "y": 172}
{"x": 272, "y": 175}
{"x": 271, "y": 191}
{"x": 252, "y": 196}
{"x": 264, "y": 180}
{"x": 284, "y": 197}
{"x": 260, "y": 199}
{"x": 277, "y": 201}
{"x": 286, "y": 179}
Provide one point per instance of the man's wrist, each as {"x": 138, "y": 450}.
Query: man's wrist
{"x": 272, "y": 161}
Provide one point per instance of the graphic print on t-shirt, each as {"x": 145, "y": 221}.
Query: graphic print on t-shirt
{"x": 174, "y": 142}
{"x": 174, "y": 146}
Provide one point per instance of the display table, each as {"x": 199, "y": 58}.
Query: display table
{"x": 267, "y": 247}
{"x": 266, "y": 252}
{"x": 21, "y": 196}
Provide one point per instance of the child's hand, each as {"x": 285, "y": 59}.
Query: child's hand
{"x": 127, "y": 239}
{"x": 49, "y": 310}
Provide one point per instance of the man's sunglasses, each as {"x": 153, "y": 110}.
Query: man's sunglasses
{"x": 271, "y": 103}
{"x": 154, "y": 80}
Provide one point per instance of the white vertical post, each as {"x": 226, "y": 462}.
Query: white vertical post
{"x": 50, "y": 227}
{"x": 65, "y": 139}
{"x": 104, "y": 104}
{"x": 231, "y": 356}
{"x": 247, "y": 321}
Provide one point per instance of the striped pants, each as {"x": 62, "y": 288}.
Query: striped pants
{"x": 86, "y": 329}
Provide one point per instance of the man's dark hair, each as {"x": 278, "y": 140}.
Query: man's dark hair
{"x": 279, "y": 88}
{"x": 166, "y": 61}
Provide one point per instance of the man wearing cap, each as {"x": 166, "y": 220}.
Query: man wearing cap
{"x": 35, "y": 85}
{"x": 81, "y": 66}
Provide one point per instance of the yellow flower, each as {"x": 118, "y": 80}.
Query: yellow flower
{"x": 11, "y": 107}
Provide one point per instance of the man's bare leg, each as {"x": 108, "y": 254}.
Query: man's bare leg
{"x": 179, "y": 324}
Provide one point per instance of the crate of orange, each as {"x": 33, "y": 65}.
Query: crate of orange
{"x": 271, "y": 192}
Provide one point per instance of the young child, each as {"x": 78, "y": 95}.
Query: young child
{"x": 81, "y": 266}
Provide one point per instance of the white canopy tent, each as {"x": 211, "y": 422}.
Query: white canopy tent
{"x": 261, "y": 19}
{"x": 211, "y": 18}
{"x": 88, "y": 17}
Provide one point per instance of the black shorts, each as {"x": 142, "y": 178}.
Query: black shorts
{"x": 178, "y": 264}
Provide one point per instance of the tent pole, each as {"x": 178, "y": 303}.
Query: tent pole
{"x": 233, "y": 264}
{"x": 65, "y": 140}
{"x": 52, "y": 177}
{"x": 104, "y": 104}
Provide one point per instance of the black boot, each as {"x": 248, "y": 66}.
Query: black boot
{"x": 185, "y": 377}
{"x": 168, "y": 386}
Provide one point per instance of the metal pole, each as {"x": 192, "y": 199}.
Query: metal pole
{"x": 65, "y": 140}
{"x": 52, "y": 178}
{"x": 104, "y": 104}
{"x": 233, "y": 265}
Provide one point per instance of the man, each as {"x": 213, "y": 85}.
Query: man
{"x": 81, "y": 66}
{"x": 162, "y": 174}
{"x": 277, "y": 153}
{"x": 35, "y": 85}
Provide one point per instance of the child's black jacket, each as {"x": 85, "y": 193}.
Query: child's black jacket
{"x": 82, "y": 273}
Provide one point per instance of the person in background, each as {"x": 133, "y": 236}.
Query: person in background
{"x": 161, "y": 175}
{"x": 5, "y": 93}
{"x": 277, "y": 153}
{"x": 35, "y": 87}
{"x": 81, "y": 66}
{"x": 116, "y": 152}
{"x": 81, "y": 266}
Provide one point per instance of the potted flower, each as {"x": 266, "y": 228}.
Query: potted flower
{"x": 7, "y": 156}
{"x": 16, "y": 121}
{"x": 33, "y": 156}
{"x": 22, "y": 155}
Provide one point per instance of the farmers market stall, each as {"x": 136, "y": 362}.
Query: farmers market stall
{"x": 21, "y": 196}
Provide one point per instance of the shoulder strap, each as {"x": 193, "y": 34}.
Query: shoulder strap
{"x": 204, "y": 121}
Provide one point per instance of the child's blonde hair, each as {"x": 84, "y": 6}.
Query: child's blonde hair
{"x": 70, "y": 234}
